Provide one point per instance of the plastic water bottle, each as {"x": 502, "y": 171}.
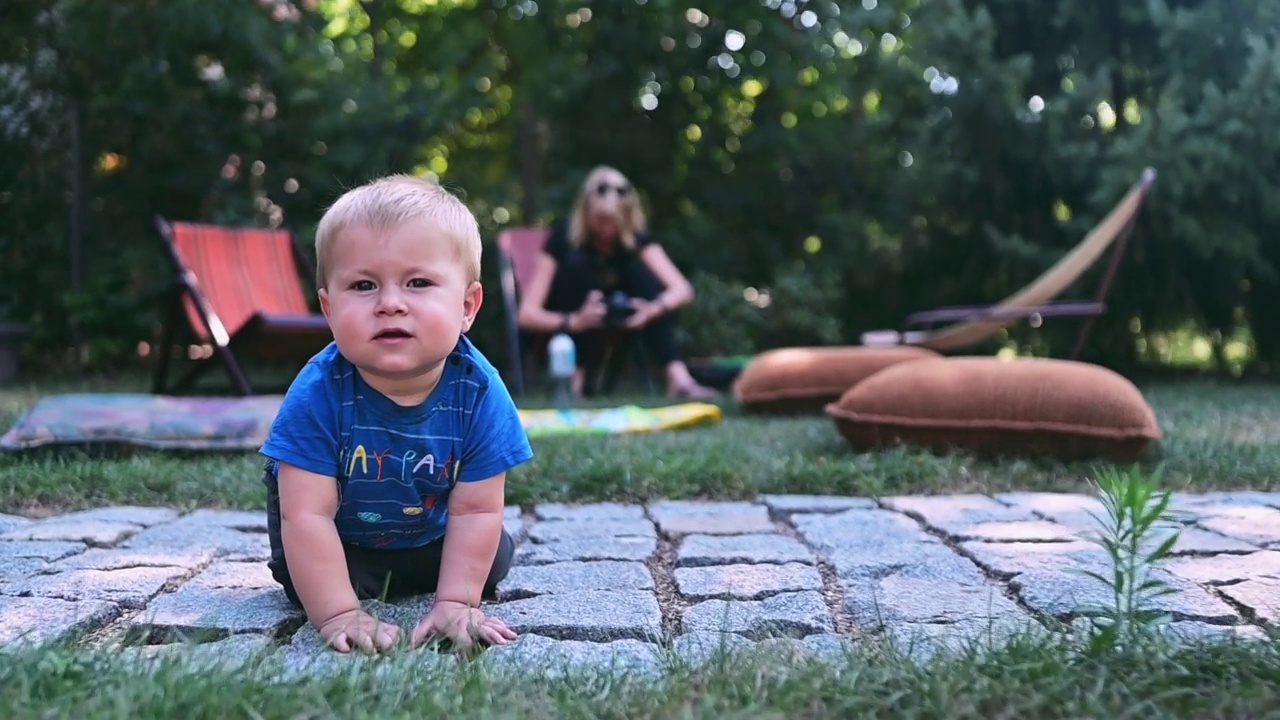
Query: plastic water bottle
{"x": 563, "y": 362}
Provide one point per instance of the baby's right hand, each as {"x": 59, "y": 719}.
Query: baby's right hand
{"x": 358, "y": 629}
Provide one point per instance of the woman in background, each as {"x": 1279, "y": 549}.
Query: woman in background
{"x": 602, "y": 270}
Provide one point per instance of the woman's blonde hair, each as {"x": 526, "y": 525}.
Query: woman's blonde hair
{"x": 396, "y": 199}
{"x": 631, "y": 221}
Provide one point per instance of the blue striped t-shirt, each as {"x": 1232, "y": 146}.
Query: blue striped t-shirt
{"x": 395, "y": 465}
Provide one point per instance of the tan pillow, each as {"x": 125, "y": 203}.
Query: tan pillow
{"x": 987, "y": 405}
{"x": 806, "y": 379}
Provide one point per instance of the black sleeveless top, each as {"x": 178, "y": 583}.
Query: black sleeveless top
{"x": 609, "y": 269}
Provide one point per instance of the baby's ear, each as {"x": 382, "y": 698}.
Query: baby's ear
{"x": 472, "y": 299}
{"x": 323, "y": 294}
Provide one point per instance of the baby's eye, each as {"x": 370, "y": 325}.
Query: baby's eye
{"x": 420, "y": 283}
{"x": 362, "y": 285}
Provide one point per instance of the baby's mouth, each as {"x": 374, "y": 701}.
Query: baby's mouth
{"x": 392, "y": 334}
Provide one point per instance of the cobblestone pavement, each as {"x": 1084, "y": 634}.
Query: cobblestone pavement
{"x": 614, "y": 583}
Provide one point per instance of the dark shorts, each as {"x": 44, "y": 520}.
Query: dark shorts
{"x": 382, "y": 574}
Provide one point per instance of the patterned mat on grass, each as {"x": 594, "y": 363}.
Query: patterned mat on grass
{"x": 241, "y": 423}
{"x": 623, "y": 419}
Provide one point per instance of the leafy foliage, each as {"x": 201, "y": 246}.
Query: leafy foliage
{"x": 917, "y": 154}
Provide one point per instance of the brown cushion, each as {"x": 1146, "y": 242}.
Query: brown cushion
{"x": 806, "y": 379}
{"x": 987, "y": 405}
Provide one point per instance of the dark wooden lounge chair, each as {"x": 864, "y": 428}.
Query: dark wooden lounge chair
{"x": 955, "y": 328}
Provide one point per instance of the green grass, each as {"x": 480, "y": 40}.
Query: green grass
{"x": 1026, "y": 679}
{"x": 1217, "y": 436}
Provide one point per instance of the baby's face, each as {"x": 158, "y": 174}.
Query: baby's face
{"x": 397, "y": 300}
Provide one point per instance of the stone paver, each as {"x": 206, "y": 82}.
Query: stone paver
{"x": 613, "y": 585}
{"x": 1195, "y": 541}
{"x": 1061, "y": 594}
{"x": 201, "y": 611}
{"x": 793, "y": 614}
{"x": 548, "y": 657}
{"x": 1227, "y": 569}
{"x": 19, "y": 568}
{"x": 98, "y": 533}
{"x": 1250, "y": 523}
{"x": 682, "y": 517}
{"x": 562, "y": 530}
{"x": 589, "y": 512}
{"x": 899, "y": 600}
{"x": 699, "y": 647}
{"x": 700, "y": 550}
{"x": 1006, "y": 560}
{"x": 1075, "y": 511}
{"x": 229, "y": 654}
{"x": 867, "y": 545}
{"x": 130, "y": 588}
{"x": 787, "y": 504}
{"x": 233, "y": 574}
{"x": 575, "y": 576}
{"x": 135, "y": 515}
{"x": 1260, "y": 598}
{"x": 12, "y": 522}
{"x": 39, "y": 620}
{"x": 958, "y": 515}
{"x": 745, "y": 582}
{"x": 597, "y": 548}
{"x": 231, "y": 534}
{"x": 112, "y": 559}
{"x": 47, "y": 550}
{"x": 585, "y": 615}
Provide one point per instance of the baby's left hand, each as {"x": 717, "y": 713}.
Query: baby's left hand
{"x": 460, "y": 624}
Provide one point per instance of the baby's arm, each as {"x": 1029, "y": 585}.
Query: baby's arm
{"x": 312, "y": 549}
{"x": 471, "y": 538}
{"x": 318, "y": 566}
{"x": 495, "y": 443}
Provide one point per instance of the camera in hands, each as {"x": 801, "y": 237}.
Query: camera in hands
{"x": 618, "y": 308}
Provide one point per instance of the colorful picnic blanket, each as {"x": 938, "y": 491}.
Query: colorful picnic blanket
{"x": 241, "y": 423}
{"x": 624, "y": 419}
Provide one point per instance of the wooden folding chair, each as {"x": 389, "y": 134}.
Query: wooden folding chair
{"x": 238, "y": 291}
{"x": 973, "y": 324}
{"x": 518, "y": 250}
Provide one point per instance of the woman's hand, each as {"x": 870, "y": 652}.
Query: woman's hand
{"x": 645, "y": 312}
{"x": 590, "y": 315}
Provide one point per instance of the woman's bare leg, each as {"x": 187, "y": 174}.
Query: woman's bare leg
{"x": 680, "y": 383}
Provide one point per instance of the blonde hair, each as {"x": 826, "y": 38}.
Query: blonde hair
{"x": 390, "y": 201}
{"x": 633, "y": 219}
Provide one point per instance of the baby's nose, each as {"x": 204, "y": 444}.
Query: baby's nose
{"x": 390, "y": 300}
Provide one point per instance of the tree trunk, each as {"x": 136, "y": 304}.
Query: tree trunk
{"x": 530, "y": 163}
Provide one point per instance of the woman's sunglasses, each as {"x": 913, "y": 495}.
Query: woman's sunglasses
{"x": 603, "y": 189}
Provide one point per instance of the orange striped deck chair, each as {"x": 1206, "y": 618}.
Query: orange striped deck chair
{"x": 238, "y": 292}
